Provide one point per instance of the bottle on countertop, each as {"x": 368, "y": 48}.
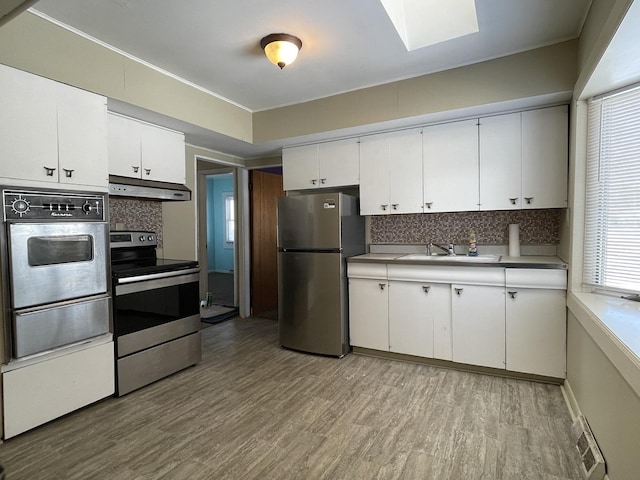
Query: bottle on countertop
{"x": 473, "y": 248}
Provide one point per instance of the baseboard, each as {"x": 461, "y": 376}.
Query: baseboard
{"x": 570, "y": 400}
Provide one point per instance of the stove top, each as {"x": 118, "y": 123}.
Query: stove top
{"x": 148, "y": 266}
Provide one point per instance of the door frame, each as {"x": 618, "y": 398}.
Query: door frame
{"x": 241, "y": 248}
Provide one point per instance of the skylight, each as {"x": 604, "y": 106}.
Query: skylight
{"x": 426, "y": 22}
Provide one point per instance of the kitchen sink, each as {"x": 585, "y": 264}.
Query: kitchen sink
{"x": 446, "y": 258}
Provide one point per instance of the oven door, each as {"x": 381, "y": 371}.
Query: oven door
{"x": 53, "y": 262}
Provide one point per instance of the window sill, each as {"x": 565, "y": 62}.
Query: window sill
{"x": 614, "y": 325}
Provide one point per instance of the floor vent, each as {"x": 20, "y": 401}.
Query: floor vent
{"x": 592, "y": 461}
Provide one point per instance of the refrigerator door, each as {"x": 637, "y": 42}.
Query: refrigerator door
{"x": 312, "y": 302}
{"x": 310, "y": 222}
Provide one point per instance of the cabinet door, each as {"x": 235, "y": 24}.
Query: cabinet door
{"x": 374, "y": 175}
{"x": 420, "y": 317}
{"x": 123, "y": 146}
{"x": 500, "y": 162}
{"x": 28, "y": 126}
{"x": 405, "y": 172}
{"x": 450, "y": 154}
{"x": 369, "y": 313}
{"x": 339, "y": 163}
{"x": 300, "y": 167}
{"x": 478, "y": 319}
{"x": 82, "y": 137}
{"x": 545, "y": 157}
{"x": 162, "y": 154}
{"x": 536, "y": 328}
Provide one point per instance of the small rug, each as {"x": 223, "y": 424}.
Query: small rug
{"x": 217, "y": 313}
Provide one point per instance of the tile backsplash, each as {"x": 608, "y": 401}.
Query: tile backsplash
{"x": 537, "y": 227}
{"x": 136, "y": 214}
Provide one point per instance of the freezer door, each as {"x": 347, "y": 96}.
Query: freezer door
{"x": 312, "y": 302}
{"x": 309, "y": 222}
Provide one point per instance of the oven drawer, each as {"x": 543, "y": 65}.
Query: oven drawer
{"x": 142, "y": 339}
{"x": 143, "y": 368}
{"x": 41, "y": 329}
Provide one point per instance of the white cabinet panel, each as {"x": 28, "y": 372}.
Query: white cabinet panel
{"x": 420, "y": 319}
{"x": 369, "y": 313}
{"x": 300, "y": 167}
{"x": 339, "y": 163}
{"x": 41, "y": 392}
{"x": 28, "y": 126}
{"x": 545, "y": 157}
{"x": 536, "y": 331}
{"x": 162, "y": 154}
{"x": 450, "y": 154}
{"x": 478, "y": 322}
{"x": 123, "y": 146}
{"x": 82, "y": 137}
{"x": 374, "y": 175}
{"x": 500, "y": 162}
{"x": 391, "y": 173}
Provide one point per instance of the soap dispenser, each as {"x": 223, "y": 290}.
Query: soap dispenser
{"x": 473, "y": 249}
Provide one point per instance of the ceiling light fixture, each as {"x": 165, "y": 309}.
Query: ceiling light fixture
{"x": 281, "y": 48}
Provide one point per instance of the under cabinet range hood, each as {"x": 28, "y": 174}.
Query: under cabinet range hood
{"x": 134, "y": 187}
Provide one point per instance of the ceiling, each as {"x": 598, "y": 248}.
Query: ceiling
{"x": 347, "y": 44}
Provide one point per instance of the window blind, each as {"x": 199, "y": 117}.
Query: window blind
{"x": 612, "y": 230}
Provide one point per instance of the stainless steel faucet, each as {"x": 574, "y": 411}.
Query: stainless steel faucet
{"x": 450, "y": 250}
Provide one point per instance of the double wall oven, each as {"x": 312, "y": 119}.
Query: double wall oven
{"x": 57, "y": 353}
{"x": 156, "y": 311}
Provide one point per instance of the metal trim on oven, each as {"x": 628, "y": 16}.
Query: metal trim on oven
{"x": 149, "y": 337}
{"x": 145, "y": 285}
{"x": 154, "y": 276}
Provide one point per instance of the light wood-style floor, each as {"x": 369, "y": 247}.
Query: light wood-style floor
{"x": 252, "y": 410}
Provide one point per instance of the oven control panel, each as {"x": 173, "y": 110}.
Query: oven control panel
{"x": 127, "y": 239}
{"x": 25, "y": 205}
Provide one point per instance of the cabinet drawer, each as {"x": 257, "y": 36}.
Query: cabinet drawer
{"x": 554, "y": 279}
{"x": 367, "y": 270}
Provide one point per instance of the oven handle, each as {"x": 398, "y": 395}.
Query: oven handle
{"x": 155, "y": 283}
{"x": 156, "y": 276}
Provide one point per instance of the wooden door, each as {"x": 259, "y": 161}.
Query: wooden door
{"x": 265, "y": 189}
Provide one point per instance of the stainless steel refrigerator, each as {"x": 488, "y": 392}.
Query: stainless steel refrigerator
{"x": 316, "y": 233}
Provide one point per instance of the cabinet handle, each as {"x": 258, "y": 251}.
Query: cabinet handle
{"x": 528, "y": 200}
{"x": 458, "y": 291}
{"x": 395, "y": 206}
{"x": 68, "y": 173}
{"x": 428, "y": 204}
{"x": 147, "y": 171}
{"x": 513, "y": 200}
{"x": 323, "y": 180}
{"x": 383, "y": 207}
{"x": 382, "y": 285}
{"x": 314, "y": 181}
{"x": 135, "y": 169}
{"x": 513, "y": 294}
{"x": 50, "y": 171}
{"x": 426, "y": 288}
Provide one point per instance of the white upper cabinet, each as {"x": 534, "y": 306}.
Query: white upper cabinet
{"x": 500, "y": 162}
{"x": 524, "y": 160}
{"x": 51, "y": 132}
{"x": 141, "y": 150}
{"x": 391, "y": 173}
{"x": 450, "y": 153}
{"x": 82, "y": 137}
{"x": 324, "y": 165}
{"x": 545, "y": 153}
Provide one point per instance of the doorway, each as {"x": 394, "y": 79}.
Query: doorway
{"x": 221, "y": 239}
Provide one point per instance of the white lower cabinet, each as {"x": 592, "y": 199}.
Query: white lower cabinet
{"x": 536, "y": 321}
{"x": 369, "y": 313}
{"x": 478, "y": 323}
{"x": 420, "y": 319}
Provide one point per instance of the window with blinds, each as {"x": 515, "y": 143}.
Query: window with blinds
{"x": 612, "y": 236}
